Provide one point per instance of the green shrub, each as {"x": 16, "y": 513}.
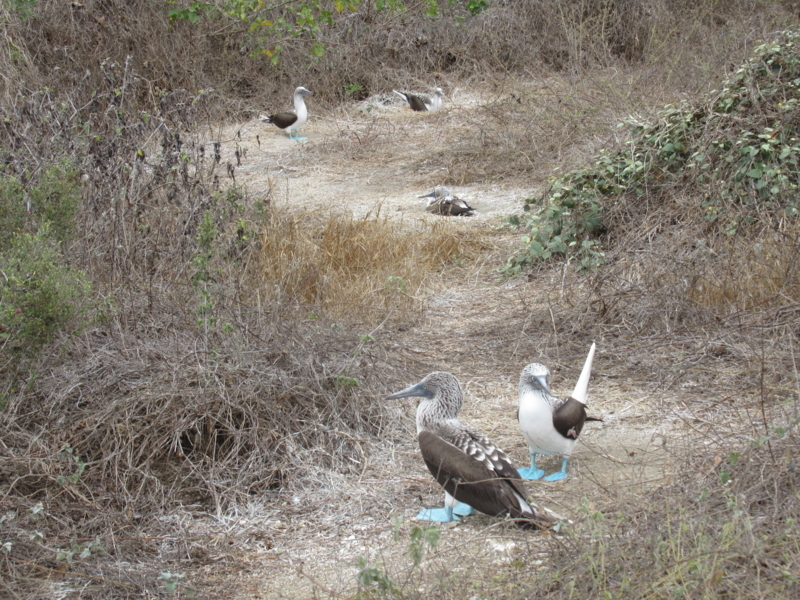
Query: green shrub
{"x": 14, "y": 216}
{"x": 56, "y": 199}
{"x": 738, "y": 153}
{"x": 39, "y": 295}
{"x": 52, "y": 202}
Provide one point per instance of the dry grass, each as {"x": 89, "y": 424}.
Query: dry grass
{"x": 355, "y": 268}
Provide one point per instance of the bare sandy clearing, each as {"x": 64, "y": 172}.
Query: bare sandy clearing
{"x": 362, "y": 158}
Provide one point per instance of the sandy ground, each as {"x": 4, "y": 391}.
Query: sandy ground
{"x": 308, "y": 545}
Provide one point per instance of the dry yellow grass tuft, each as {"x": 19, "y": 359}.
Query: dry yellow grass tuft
{"x": 358, "y": 268}
{"x": 750, "y": 276}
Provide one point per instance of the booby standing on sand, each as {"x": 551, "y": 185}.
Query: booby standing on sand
{"x": 549, "y": 424}
{"x": 442, "y": 202}
{"x": 423, "y": 103}
{"x": 471, "y": 469}
{"x": 291, "y": 121}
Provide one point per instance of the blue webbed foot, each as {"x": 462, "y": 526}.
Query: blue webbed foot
{"x": 531, "y": 474}
{"x": 562, "y": 474}
{"x": 295, "y": 135}
{"x": 464, "y": 510}
{"x": 440, "y": 515}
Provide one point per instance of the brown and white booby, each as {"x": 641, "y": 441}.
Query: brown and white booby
{"x": 291, "y": 121}
{"x": 551, "y": 425}
{"x": 470, "y": 468}
{"x": 423, "y": 103}
{"x": 442, "y": 202}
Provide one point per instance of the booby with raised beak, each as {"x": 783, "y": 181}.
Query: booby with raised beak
{"x": 551, "y": 425}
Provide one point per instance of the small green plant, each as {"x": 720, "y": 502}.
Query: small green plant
{"x": 395, "y": 283}
{"x": 23, "y": 8}
{"x": 191, "y": 13}
{"x": 36, "y": 511}
{"x": 49, "y": 204}
{"x": 207, "y": 233}
{"x": 345, "y": 381}
{"x": 423, "y": 539}
{"x": 69, "y": 454}
{"x": 172, "y": 582}
{"x": 476, "y": 6}
{"x": 351, "y": 89}
{"x": 56, "y": 198}
{"x": 80, "y": 551}
{"x": 372, "y": 579}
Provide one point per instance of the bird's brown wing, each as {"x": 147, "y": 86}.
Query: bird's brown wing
{"x": 470, "y": 478}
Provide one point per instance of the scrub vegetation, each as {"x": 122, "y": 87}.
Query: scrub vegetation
{"x": 177, "y": 344}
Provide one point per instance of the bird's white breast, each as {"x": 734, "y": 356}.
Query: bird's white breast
{"x": 536, "y": 423}
{"x": 301, "y": 110}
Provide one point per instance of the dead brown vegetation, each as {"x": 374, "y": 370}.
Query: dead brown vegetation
{"x": 350, "y": 268}
{"x": 376, "y": 50}
{"x": 212, "y": 365}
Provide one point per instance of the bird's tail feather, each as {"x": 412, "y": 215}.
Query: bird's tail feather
{"x": 542, "y": 518}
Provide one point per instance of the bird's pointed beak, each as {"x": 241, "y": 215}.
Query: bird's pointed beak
{"x": 581, "y": 392}
{"x": 543, "y": 383}
{"x": 417, "y": 390}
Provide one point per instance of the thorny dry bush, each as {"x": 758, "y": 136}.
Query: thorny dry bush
{"x": 186, "y": 390}
{"x": 369, "y": 51}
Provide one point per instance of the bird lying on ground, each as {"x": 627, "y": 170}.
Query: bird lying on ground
{"x": 423, "y": 103}
{"x": 442, "y": 202}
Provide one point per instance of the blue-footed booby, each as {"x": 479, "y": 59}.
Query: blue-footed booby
{"x": 423, "y": 103}
{"x": 291, "y": 121}
{"x": 549, "y": 424}
{"x": 470, "y": 468}
{"x": 442, "y": 202}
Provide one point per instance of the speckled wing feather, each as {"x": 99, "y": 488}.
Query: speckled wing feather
{"x": 468, "y": 480}
{"x": 481, "y": 448}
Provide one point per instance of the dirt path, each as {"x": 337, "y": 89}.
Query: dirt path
{"x": 308, "y": 545}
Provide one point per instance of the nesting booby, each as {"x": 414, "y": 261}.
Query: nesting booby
{"x": 291, "y": 120}
{"x": 423, "y": 103}
{"x": 470, "y": 468}
{"x": 551, "y": 425}
{"x": 442, "y": 202}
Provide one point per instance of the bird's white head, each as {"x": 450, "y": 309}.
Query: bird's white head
{"x": 534, "y": 377}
